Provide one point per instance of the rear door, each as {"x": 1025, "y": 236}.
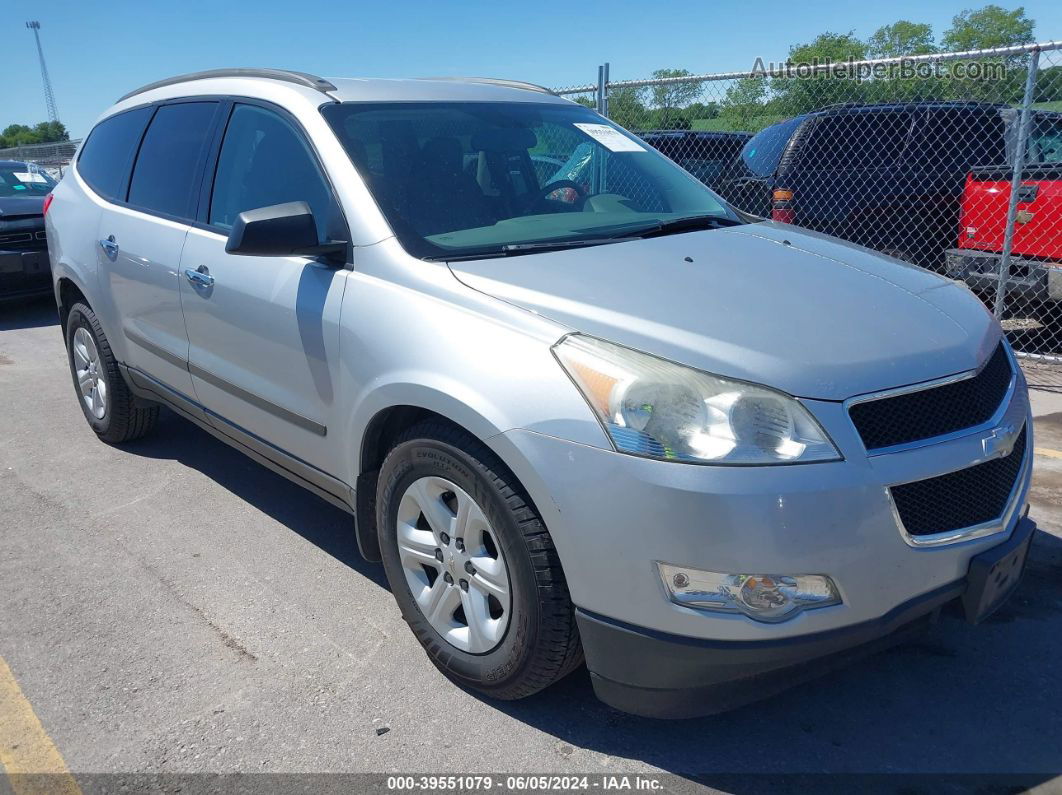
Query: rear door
{"x": 142, "y": 233}
{"x": 264, "y": 331}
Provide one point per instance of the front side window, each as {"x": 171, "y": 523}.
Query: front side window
{"x": 105, "y": 157}
{"x": 463, "y": 178}
{"x": 24, "y": 179}
{"x": 166, "y": 170}
{"x": 265, "y": 161}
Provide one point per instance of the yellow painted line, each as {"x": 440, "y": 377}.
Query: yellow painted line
{"x": 1047, "y": 452}
{"x": 25, "y": 747}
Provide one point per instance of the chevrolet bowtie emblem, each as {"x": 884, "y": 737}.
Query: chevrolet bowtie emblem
{"x": 1000, "y": 442}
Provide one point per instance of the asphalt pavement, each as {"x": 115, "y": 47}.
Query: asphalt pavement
{"x": 171, "y": 606}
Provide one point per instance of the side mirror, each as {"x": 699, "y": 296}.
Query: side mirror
{"x": 282, "y": 230}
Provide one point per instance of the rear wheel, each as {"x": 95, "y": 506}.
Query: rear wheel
{"x": 472, "y": 566}
{"x": 105, "y": 399}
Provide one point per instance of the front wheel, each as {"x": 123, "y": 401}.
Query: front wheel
{"x": 472, "y": 566}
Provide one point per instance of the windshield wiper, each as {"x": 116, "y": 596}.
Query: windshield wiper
{"x": 690, "y": 223}
{"x": 537, "y": 247}
{"x": 629, "y": 232}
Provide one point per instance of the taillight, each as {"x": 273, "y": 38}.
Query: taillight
{"x": 782, "y": 207}
{"x": 48, "y": 202}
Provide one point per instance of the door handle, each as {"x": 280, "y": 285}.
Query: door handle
{"x": 200, "y": 277}
{"x": 109, "y": 246}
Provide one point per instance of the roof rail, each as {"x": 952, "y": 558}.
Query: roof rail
{"x": 495, "y": 82}
{"x": 299, "y": 78}
{"x": 909, "y": 103}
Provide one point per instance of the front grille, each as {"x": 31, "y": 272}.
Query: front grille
{"x": 18, "y": 237}
{"x": 925, "y": 413}
{"x": 960, "y": 499}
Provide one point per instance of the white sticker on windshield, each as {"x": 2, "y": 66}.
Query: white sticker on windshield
{"x": 611, "y": 139}
{"x": 26, "y": 176}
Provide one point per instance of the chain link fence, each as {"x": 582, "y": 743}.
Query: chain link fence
{"x": 53, "y": 158}
{"x": 949, "y": 161}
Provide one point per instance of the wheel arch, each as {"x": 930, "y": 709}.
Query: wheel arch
{"x": 67, "y": 293}
{"x": 384, "y": 424}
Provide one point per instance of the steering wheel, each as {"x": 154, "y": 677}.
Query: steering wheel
{"x": 579, "y": 197}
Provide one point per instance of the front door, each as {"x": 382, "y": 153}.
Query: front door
{"x": 264, "y": 331}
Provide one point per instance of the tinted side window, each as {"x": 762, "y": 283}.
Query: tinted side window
{"x": 856, "y": 140}
{"x": 763, "y": 151}
{"x": 265, "y": 161}
{"x": 957, "y": 139}
{"x": 105, "y": 157}
{"x": 164, "y": 177}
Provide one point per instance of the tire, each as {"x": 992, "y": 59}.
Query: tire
{"x": 540, "y": 644}
{"x": 123, "y": 417}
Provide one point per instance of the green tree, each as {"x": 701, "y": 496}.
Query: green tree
{"x": 901, "y": 38}
{"x": 700, "y": 110}
{"x": 801, "y": 94}
{"x": 991, "y": 26}
{"x": 744, "y": 103}
{"x": 984, "y": 28}
{"x": 1049, "y": 85}
{"x": 626, "y": 107}
{"x": 41, "y": 133}
{"x": 674, "y": 95}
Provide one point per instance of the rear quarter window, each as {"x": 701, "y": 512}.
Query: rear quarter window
{"x": 956, "y": 139}
{"x": 859, "y": 140}
{"x": 105, "y": 157}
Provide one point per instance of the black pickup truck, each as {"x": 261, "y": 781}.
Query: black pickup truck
{"x": 24, "y": 268}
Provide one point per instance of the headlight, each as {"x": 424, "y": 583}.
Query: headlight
{"x": 653, "y": 407}
{"x": 763, "y": 597}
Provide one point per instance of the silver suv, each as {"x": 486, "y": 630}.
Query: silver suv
{"x": 577, "y": 404}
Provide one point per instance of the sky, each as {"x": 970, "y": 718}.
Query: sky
{"x": 97, "y": 51}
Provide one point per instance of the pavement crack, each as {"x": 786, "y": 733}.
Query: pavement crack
{"x": 228, "y": 640}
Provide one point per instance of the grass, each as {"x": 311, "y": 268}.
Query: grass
{"x": 736, "y": 124}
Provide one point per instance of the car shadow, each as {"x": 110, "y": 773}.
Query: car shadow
{"x": 962, "y": 701}
{"x": 28, "y": 313}
{"x": 321, "y": 523}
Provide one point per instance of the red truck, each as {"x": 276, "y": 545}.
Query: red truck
{"x": 1036, "y": 251}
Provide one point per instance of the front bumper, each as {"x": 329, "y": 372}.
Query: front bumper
{"x": 614, "y": 516}
{"x": 659, "y": 675}
{"x": 1030, "y": 280}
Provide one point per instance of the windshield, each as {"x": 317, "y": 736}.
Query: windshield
{"x": 24, "y": 179}
{"x": 464, "y": 178}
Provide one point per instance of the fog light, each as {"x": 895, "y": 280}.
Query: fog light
{"x": 763, "y": 597}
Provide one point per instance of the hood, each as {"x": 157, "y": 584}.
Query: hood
{"x": 11, "y": 206}
{"x": 802, "y": 312}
